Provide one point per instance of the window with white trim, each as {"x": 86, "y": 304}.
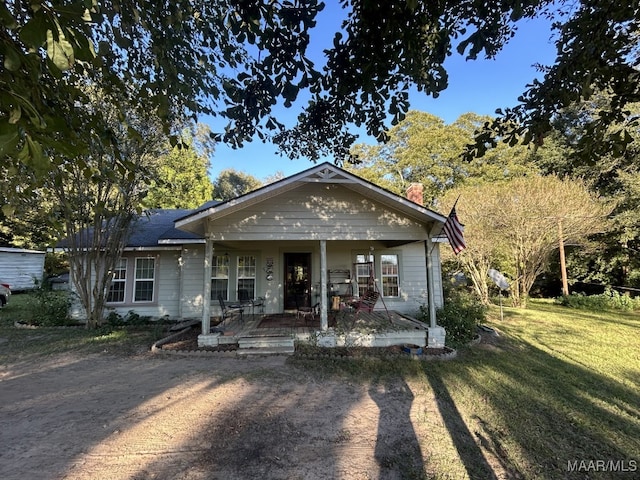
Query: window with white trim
{"x": 220, "y": 277}
{"x": 144, "y": 280}
{"x": 247, "y": 275}
{"x": 363, "y": 273}
{"x": 118, "y": 282}
{"x": 390, "y": 275}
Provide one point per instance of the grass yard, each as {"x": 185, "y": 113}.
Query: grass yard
{"x": 555, "y": 395}
{"x": 31, "y": 343}
{"x": 562, "y": 388}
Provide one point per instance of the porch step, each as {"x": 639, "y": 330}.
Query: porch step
{"x": 264, "y": 345}
{"x": 265, "y": 351}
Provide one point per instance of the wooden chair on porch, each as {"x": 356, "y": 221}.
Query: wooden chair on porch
{"x": 303, "y": 310}
{"x": 366, "y": 302}
{"x": 229, "y": 309}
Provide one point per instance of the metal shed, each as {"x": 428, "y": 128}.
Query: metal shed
{"x": 21, "y": 268}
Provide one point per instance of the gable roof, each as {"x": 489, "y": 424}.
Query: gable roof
{"x": 323, "y": 173}
{"x": 172, "y": 227}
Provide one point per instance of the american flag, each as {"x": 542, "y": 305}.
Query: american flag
{"x": 454, "y": 231}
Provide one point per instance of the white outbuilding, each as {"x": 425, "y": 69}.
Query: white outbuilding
{"x": 21, "y": 268}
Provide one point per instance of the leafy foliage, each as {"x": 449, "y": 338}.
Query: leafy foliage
{"x": 461, "y": 314}
{"x": 231, "y": 184}
{"x": 52, "y": 307}
{"x": 598, "y": 51}
{"x": 180, "y": 179}
{"x": 237, "y": 60}
{"x": 514, "y": 225}
{"x": 611, "y": 175}
{"x": 609, "y": 300}
{"x": 423, "y": 149}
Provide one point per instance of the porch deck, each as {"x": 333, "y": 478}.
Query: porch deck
{"x": 374, "y": 329}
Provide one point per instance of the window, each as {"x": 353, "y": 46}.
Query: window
{"x": 144, "y": 280}
{"x": 118, "y": 282}
{"x": 247, "y": 275}
{"x": 363, "y": 273}
{"x": 389, "y": 274}
{"x": 220, "y": 277}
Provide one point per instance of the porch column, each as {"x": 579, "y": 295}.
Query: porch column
{"x": 428, "y": 245}
{"x": 206, "y": 287}
{"x": 324, "y": 322}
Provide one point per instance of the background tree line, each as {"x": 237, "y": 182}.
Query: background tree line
{"x": 517, "y": 202}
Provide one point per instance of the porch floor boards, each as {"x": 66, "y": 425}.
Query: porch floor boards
{"x": 234, "y": 328}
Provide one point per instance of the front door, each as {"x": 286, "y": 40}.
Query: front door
{"x": 297, "y": 284}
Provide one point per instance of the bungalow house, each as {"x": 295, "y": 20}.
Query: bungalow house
{"x": 312, "y": 239}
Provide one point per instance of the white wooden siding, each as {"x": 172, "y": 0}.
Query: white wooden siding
{"x": 317, "y": 211}
{"x": 192, "y": 281}
{"x": 180, "y": 276}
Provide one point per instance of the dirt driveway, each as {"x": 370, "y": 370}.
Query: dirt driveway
{"x": 169, "y": 417}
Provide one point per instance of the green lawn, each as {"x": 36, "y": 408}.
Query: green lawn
{"x": 558, "y": 389}
{"x": 561, "y": 387}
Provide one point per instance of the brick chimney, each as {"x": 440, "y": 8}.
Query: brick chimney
{"x": 414, "y": 193}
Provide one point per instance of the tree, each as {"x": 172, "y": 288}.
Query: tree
{"x": 514, "y": 226}
{"x": 238, "y": 60}
{"x": 598, "y": 51}
{"x": 98, "y": 214}
{"x": 614, "y": 175}
{"x": 32, "y": 221}
{"x": 231, "y": 184}
{"x": 423, "y": 149}
{"x": 181, "y": 179}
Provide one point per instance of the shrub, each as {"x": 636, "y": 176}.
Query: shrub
{"x": 52, "y": 307}
{"x": 610, "y": 299}
{"x": 461, "y": 314}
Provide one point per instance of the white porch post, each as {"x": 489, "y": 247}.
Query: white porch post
{"x": 428, "y": 245}
{"x": 324, "y": 321}
{"x": 206, "y": 286}
{"x": 435, "y": 334}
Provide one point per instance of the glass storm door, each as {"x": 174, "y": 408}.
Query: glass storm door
{"x": 297, "y": 283}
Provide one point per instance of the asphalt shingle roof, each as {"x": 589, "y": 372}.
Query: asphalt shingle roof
{"x": 155, "y": 225}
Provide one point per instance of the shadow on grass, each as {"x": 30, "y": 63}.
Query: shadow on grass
{"x": 469, "y": 452}
{"x": 536, "y": 413}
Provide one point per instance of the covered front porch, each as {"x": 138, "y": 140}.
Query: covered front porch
{"x": 307, "y": 239}
{"x": 278, "y": 333}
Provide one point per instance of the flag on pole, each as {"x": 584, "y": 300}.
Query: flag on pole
{"x": 454, "y": 231}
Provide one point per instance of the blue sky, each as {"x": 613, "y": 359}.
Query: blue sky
{"x": 479, "y": 86}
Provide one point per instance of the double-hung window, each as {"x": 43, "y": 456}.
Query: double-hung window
{"x": 118, "y": 282}
{"x": 247, "y": 275}
{"x": 388, "y": 270}
{"x": 220, "y": 277}
{"x": 364, "y": 273}
{"x": 390, "y": 276}
{"x": 144, "y": 281}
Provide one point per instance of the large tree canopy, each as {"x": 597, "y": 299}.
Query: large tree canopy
{"x": 515, "y": 226}
{"x": 598, "y": 51}
{"x": 238, "y": 59}
{"x": 423, "y": 149}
